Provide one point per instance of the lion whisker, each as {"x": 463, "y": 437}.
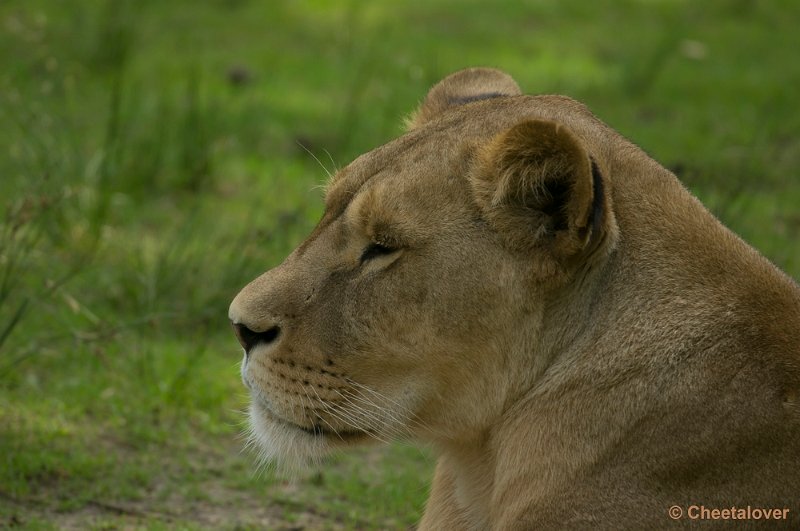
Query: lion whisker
{"x": 340, "y": 414}
{"x": 406, "y": 418}
{"x": 370, "y": 417}
{"x": 319, "y": 417}
{"x": 330, "y": 175}
{"x": 396, "y": 428}
{"x": 359, "y": 418}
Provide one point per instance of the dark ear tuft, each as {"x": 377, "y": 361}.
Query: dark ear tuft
{"x": 462, "y": 87}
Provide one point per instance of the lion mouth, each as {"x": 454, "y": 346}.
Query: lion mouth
{"x": 318, "y": 430}
{"x": 315, "y": 430}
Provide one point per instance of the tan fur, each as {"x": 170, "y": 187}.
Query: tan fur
{"x": 582, "y": 342}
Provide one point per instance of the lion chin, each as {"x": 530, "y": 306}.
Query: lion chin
{"x": 285, "y": 445}
{"x": 514, "y": 283}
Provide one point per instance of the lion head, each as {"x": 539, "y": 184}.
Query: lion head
{"x": 400, "y": 315}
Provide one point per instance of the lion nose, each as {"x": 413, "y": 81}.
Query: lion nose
{"x": 249, "y": 339}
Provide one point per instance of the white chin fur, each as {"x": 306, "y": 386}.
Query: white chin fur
{"x": 286, "y": 447}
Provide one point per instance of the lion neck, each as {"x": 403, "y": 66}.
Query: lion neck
{"x": 490, "y": 466}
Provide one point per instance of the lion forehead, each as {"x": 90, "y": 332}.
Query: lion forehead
{"x": 410, "y": 189}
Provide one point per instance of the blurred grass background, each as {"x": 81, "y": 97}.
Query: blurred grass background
{"x": 154, "y": 157}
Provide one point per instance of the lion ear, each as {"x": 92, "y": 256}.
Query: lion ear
{"x": 464, "y": 86}
{"x": 540, "y": 189}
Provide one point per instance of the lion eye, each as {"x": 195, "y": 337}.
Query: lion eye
{"x": 375, "y": 250}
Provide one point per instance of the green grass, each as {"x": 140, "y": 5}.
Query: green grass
{"x": 153, "y": 160}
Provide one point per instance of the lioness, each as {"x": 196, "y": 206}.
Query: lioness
{"x": 582, "y": 342}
